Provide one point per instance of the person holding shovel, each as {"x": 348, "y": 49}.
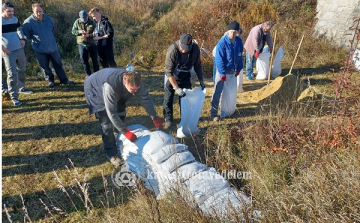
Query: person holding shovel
{"x": 254, "y": 45}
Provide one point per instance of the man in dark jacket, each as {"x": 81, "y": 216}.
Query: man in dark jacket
{"x": 106, "y": 93}
{"x": 83, "y": 29}
{"x": 181, "y": 56}
{"x": 39, "y": 29}
{"x": 104, "y": 34}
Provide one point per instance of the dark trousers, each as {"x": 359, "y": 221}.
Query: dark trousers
{"x": 107, "y": 133}
{"x": 106, "y": 55}
{"x": 84, "y": 52}
{"x": 169, "y": 97}
{"x": 44, "y": 62}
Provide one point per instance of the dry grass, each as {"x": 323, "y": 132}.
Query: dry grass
{"x": 304, "y": 164}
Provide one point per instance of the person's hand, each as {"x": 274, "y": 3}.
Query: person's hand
{"x": 130, "y": 136}
{"x": 158, "y": 122}
{"x": 22, "y": 42}
{"x": 256, "y": 54}
{"x": 237, "y": 73}
{"x": 223, "y": 78}
{"x": 6, "y": 51}
{"x": 180, "y": 92}
{"x": 202, "y": 85}
{"x": 97, "y": 38}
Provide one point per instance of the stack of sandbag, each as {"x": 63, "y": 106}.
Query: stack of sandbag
{"x": 166, "y": 165}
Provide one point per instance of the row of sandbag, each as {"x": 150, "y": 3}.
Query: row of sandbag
{"x": 166, "y": 165}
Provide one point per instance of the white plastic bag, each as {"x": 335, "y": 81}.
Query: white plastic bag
{"x": 239, "y": 82}
{"x": 356, "y": 59}
{"x": 276, "y": 67}
{"x": 262, "y": 64}
{"x": 228, "y": 96}
{"x": 191, "y": 107}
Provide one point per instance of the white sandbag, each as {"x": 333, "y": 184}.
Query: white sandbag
{"x": 356, "y": 59}
{"x": 205, "y": 184}
{"x": 263, "y": 64}
{"x": 225, "y": 200}
{"x": 191, "y": 107}
{"x": 239, "y": 82}
{"x": 165, "y": 152}
{"x": 228, "y": 96}
{"x": 276, "y": 67}
{"x": 174, "y": 162}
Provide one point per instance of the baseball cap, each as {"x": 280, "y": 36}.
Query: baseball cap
{"x": 186, "y": 41}
{"x": 83, "y": 16}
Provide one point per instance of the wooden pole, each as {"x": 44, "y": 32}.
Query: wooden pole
{"x": 296, "y": 53}
{"x": 272, "y": 58}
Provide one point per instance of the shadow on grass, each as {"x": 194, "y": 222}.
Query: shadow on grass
{"x": 47, "y": 162}
{"x": 50, "y": 131}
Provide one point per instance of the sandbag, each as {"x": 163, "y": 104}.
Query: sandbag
{"x": 191, "y": 107}
{"x": 174, "y": 162}
{"x": 262, "y": 64}
{"x": 276, "y": 67}
{"x": 239, "y": 82}
{"x": 228, "y": 96}
{"x": 165, "y": 152}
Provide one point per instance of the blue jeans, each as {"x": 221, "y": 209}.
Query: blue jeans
{"x": 44, "y": 62}
{"x": 15, "y": 65}
{"x": 250, "y": 63}
{"x": 215, "y": 100}
{"x": 214, "y": 70}
{"x": 107, "y": 133}
{"x": 84, "y": 52}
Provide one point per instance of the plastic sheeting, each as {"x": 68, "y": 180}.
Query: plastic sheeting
{"x": 276, "y": 67}
{"x": 239, "y": 82}
{"x": 262, "y": 64}
{"x": 228, "y": 96}
{"x": 165, "y": 165}
{"x": 191, "y": 107}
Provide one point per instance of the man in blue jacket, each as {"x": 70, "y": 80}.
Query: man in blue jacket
{"x": 228, "y": 61}
{"x": 39, "y": 28}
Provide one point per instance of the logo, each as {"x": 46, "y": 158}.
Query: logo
{"x": 123, "y": 178}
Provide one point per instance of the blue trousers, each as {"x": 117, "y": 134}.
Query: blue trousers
{"x": 44, "y": 62}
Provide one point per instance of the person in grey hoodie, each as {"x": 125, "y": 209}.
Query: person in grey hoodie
{"x": 106, "y": 94}
{"x": 38, "y": 28}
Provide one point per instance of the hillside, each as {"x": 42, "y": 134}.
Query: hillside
{"x": 303, "y": 155}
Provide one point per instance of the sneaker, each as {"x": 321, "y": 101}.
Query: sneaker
{"x": 116, "y": 161}
{"x": 16, "y": 102}
{"x": 215, "y": 119}
{"x": 51, "y": 84}
{"x": 167, "y": 124}
{"x": 5, "y": 91}
{"x": 68, "y": 82}
{"x": 25, "y": 91}
{"x": 249, "y": 77}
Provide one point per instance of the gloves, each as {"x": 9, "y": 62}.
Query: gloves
{"x": 256, "y": 54}
{"x": 158, "y": 122}
{"x": 237, "y": 73}
{"x": 130, "y": 136}
{"x": 180, "y": 92}
{"x": 223, "y": 78}
{"x": 202, "y": 85}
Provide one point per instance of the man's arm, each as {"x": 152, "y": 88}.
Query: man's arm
{"x": 170, "y": 64}
{"x": 20, "y": 33}
{"x": 110, "y": 101}
{"x": 146, "y": 100}
{"x": 75, "y": 29}
{"x": 197, "y": 65}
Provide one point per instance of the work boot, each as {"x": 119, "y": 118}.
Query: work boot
{"x": 117, "y": 161}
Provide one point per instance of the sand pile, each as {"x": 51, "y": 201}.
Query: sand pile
{"x": 281, "y": 90}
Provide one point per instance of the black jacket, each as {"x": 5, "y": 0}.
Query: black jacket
{"x": 104, "y": 27}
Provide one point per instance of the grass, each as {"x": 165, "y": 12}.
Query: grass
{"x": 303, "y": 157}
